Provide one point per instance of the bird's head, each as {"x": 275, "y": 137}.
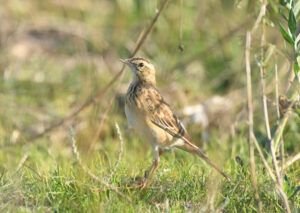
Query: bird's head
{"x": 142, "y": 69}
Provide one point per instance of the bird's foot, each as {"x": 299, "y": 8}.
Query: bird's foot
{"x": 142, "y": 185}
{"x": 138, "y": 183}
{"x": 141, "y": 182}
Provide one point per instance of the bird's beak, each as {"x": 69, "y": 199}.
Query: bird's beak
{"x": 125, "y": 61}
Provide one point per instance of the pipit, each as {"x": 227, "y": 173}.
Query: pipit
{"x": 152, "y": 118}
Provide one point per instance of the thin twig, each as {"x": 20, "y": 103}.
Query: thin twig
{"x": 83, "y": 106}
{"x": 291, "y": 79}
{"x": 211, "y": 47}
{"x": 120, "y": 154}
{"x": 21, "y": 163}
{"x": 290, "y": 161}
{"x": 266, "y": 114}
{"x": 99, "y": 94}
{"x": 140, "y": 41}
{"x": 250, "y": 120}
{"x": 261, "y": 20}
{"x": 89, "y": 172}
{"x": 262, "y": 78}
{"x": 277, "y": 93}
{"x": 265, "y": 162}
{"x": 278, "y": 117}
{"x": 148, "y": 30}
{"x": 101, "y": 124}
{"x": 260, "y": 17}
{"x": 279, "y": 131}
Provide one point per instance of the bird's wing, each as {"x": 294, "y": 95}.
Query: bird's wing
{"x": 162, "y": 115}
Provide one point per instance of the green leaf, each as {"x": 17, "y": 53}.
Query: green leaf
{"x": 286, "y": 35}
{"x": 292, "y": 22}
{"x": 283, "y": 2}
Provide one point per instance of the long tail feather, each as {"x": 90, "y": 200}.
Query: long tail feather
{"x": 189, "y": 147}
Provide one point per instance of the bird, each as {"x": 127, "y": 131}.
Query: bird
{"x": 153, "y": 119}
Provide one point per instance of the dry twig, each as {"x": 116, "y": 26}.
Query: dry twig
{"x": 278, "y": 180}
{"x": 213, "y": 46}
{"x": 120, "y": 154}
{"x": 101, "y": 124}
{"x": 89, "y": 172}
{"x": 21, "y": 163}
{"x": 250, "y": 120}
{"x": 278, "y": 117}
{"x": 98, "y": 95}
{"x": 290, "y": 161}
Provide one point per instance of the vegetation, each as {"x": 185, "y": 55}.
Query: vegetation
{"x": 64, "y": 141}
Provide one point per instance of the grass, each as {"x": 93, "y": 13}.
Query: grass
{"x": 51, "y": 181}
{"x": 56, "y": 54}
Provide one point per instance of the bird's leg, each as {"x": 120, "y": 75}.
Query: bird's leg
{"x": 191, "y": 148}
{"x": 149, "y": 173}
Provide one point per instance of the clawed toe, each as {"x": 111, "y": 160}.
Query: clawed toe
{"x": 142, "y": 185}
{"x": 138, "y": 183}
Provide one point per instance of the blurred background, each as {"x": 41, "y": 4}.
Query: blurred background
{"x": 56, "y": 55}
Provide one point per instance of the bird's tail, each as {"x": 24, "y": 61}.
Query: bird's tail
{"x": 190, "y": 147}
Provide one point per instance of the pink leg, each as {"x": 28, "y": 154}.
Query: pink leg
{"x": 149, "y": 173}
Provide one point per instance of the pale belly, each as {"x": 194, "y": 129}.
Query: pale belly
{"x": 132, "y": 118}
{"x": 137, "y": 122}
{"x": 152, "y": 133}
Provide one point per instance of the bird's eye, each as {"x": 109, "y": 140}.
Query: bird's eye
{"x": 141, "y": 65}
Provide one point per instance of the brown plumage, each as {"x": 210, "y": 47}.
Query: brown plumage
{"x": 151, "y": 117}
